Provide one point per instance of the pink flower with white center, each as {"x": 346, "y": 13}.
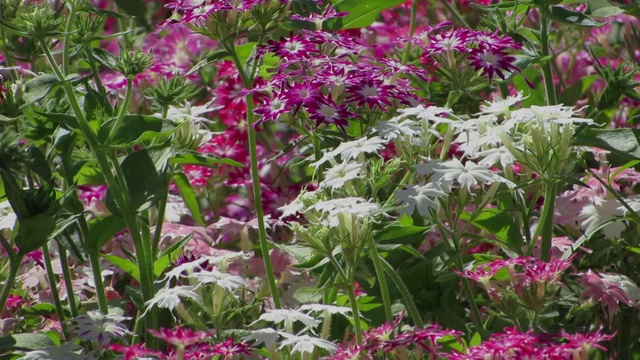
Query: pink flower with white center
{"x": 326, "y": 111}
{"x": 495, "y": 41}
{"x": 393, "y": 66}
{"x": 273, "y": 108}
{"x": 179, "y": 336}
{"x": 328, "y": 13}
{"x": 198, "y": 15}
{"x": 454, "y": 39}
{"x": 370, "y": 92}
{"x": 291, "y": 48}
{"x": 230, "y": 348}
{"x": 492, "y": 62}
{"x": 303, "y": 93}
{"x": 610, "y": 290}
{"x": 577, "y": 345}
{"x": 426, "y": 338}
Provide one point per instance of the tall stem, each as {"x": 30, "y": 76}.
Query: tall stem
{"x": 412, "y": 29}
{"x": 54, "y": 289}
{"x": 356, "y": 315}
{"x": 66, "y": 273}
{"x": 14, "y": 266}
{"x": 545, "y": 225}
{"x": 255, "y": 178}
{"x": 546, "y": 67}
{"x": 382, "y": 281}
{"x": 123, "y": 109}
{"x": 117, "y": 188}
{"x": 468, "y": 293}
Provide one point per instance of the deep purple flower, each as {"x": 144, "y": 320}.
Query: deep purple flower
{"x": 328, "y": 112}
{"x": 492, "y": 62}
{"x": 371, "y": 92}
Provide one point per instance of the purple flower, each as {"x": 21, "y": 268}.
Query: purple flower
{"x": 492, "y": 62}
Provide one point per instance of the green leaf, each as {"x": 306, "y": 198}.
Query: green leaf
{"x": 136, "y": 8}
{"x": 164, "y": 260}
{"x": 88, "y": 173}
{"x": 126, "y": 265}
{"x": 189, "y": 157}
{"x": 105, "y": 58}
{"x": 38, "y": 163}
{"x": 500, "y": 224}
{"x": 31, "y": 233}
{"x": 397, "y": 233}
{"x": 134, "y": 130}
{"x": 210, "y": 59}
{"x": 572, "y": 17}
{"x": 38, "y": 309}
{"x": 146, "y": 177}
{"x": 103, "y": 229}
{"x": 308, "y": 295}
{"x": 65, "y": 120}
{"x": 362, "y": 13}
{"x": 603, "y": 8}
{"x": 622, "y": 142}
{"x": 38, "y": 87}
{"x": 189, "y": 196}
{"x": 577, "y": 91}
{"x": 25, "y": 342}
{"x": 93, "y": 102}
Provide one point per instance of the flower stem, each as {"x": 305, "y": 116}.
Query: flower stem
{"x": 66, "y": 273}
{"x": 545, "y": 225}
{"x": 97, "y": 279}
{"x": 255, "y": 178}
{"x": 455, "y": 14}
{"x": 54, "y": 289}
{"x": 14, "y": 266}
{"x": 412, "y": 29}
{"x": 382, "y": 281}
{"x": 356, "y": 315}
{"x": 123, "y": 110}
{"x": 468, "y": 293}
{"x": 117, "y": 188}
{"x": 406, "y": 295}
{"x": 546, "y": 66}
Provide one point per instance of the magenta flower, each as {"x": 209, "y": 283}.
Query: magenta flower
{"x": 293, "y": 47}
{"x": 326, "y": 111}
{"x": 328, "y": 13}
{"x": 179, "y": 336}
{"x": 371, "y": 92}
{"x": 610, "y": 290}
{"x": 135, "y": 351}
{"x": 492, "y": 61}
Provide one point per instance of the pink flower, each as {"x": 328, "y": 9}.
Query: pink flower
{"x": 608, "y": 289}
{"x": 180, "y": 336}
{"x": 132, "y": 352}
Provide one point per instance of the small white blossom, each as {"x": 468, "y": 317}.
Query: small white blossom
{"x": 468, "y": 174}
{"x": 266, "y": 336}
{"x": 352, "y": 149}
{"x": 350, "y": 205}
{"x": 288, "y": 317}
{"x": 420, "y": 197}
{"x": 331, "y": 309}
{"x": 95, "y": 326}
{"x": 226, "y": 281}
{"x": 170, "y": 298}
{"x": 338, "y": 175}
{"x": 305, "y": 344}
{"x": 501, "y": 106}
{"x": 394, "y": 129}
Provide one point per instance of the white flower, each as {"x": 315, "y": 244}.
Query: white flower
{"x": 169, "y": 298}
{"x": 176, "y": 209}
{"x": 95, "y": 326}
{"x": 266, "y": 336}
{"x": 500, "y": 155}
{"x": 501, "y": 106}
{"x": 288, "y": 317}
{"x": 393, "y": 129}
{"x": 350, "y": 205}
{"x": 431, "y": 113}
{"x": 467, "y": 175}
{"x": 189, "y": 113}
{"x": 628, "y": 286}
{"x": 226, "y": 281}
{"x": 306, "y": 344}
{"x": 331, "y": 309}
{"x": 351, "y": 149}
{"x": 7, "y": 216}
{"x": 420, "y": 197}
{"x": 64, "y": 352}
{"x": 292, "y": 208}
{"x": 338, "y": 175}
{"x": 603, "y": 211}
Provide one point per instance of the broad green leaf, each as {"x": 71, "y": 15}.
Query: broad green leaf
{"x": 134, "y": 130}
{"x": 603, "y": 8}
{"x": 308, "y": 295}
{"x": 189, "y": 157}
{"x": 67, "y": 121}
{"x": 25, "y": 342}
{"x": 362, "y": 13}
{"x": 169, "y": 255}
{"x": 189, "y": 196}
{"x": 88, "y": 173}
{"x": 38, "y": 309}
{"x": 103, "y": 229}
{"x": 210, "y": 59}
{"x": 105, "y": 58}
{"x": 38, "y": 87}
{"x": 572, "y": 17}
{"x": 245, "y": 53}
{"x": 622, "y": 142}
{"x": 397, "y": 233}
{"x": 136, "y": 8}
{"x": 38, "y": 163}
{"x": 146, "y": 177}
{"x": 126, "y": 265}
{"x": 577, "y": 91}
{"x": 499, "y": 224}
{"x": 31, "y": 233}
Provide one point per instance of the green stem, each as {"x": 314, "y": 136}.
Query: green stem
{"x": 97, "y": 278}
{"x": 14, "y": 266}
{"x": 94, "y": 70}
{"x": 545, "y": 225}
{"x": 123, "y": 110}
{"x": 157, "y": 234}
{"x": 456, "y": 14}
{"x": 255, "y": 179}
{"x": 66, "y": 273}
{"x": 356, "y": 315}
{"x": 382, "y": 281}
{"x": 406, "y": 295}
{"x": 117, "y": 188}
{"x": 67, "y": 43}
{"x": 412, "y": 29}
{"x": 317, "y": 151}
{"x": 546, "y": 66}
{"x": 54, "y": 289}
{"x": 468, "y": 293}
